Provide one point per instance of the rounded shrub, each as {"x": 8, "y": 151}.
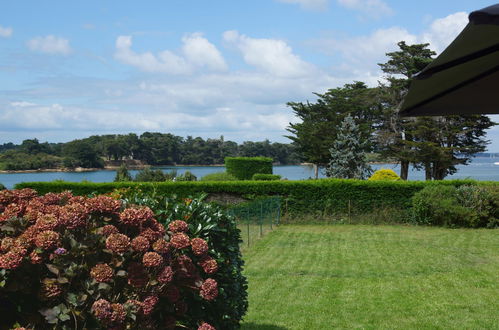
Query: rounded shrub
{"x": 2, "y": 187}
{"x": 72, "y": 262}
{"x": 464, "y": 206}
{"x": 219, "y": 176}
{"x": 265, "y": 177}
{"x": 385, "y": 175}
{"x": 243, "y": 168}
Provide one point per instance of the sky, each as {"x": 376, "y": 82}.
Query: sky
{"x": 202, "y": 68}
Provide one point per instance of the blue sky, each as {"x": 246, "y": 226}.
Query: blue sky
{"x": 201, "y": 68}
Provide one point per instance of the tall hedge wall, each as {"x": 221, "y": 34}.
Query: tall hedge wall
{"x": 243, "y": 168}
{"x": 299, "y": 197}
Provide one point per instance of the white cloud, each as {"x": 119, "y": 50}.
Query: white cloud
{"x": 370, "y": 8}
{"x": 50, "y": 45}
{"x": 197, "y": 52}
{"x": 443, "y": 30}
{"x": 270, "y": 55}
{"x": 200, "y": 52}
{"x": 309, "y": 4}
{"x": 362, "y": 53}
{"x": 5, "y": 32}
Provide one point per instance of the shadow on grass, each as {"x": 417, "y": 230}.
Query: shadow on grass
{"x": 257, "y": 326}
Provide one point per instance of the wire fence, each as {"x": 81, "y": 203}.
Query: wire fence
{"x": 257, "y": 217}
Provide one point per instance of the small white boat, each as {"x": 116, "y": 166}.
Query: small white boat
{"x": 496, "y": 163}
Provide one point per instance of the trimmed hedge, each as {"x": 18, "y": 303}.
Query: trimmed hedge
{"x": 243, "y": 168}
{"x": 265, "y": 177}
{"x": 327, "y": 196}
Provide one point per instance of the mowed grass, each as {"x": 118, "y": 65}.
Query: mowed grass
{"x": 372, "y": 277}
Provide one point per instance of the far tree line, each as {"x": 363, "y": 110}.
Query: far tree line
{"x": 433, "y": 144}
{"x": 149, "y": 148}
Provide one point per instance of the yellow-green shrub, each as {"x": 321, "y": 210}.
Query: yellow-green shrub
{"x": 384, "y": 174}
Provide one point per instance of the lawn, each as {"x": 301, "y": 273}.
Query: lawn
{"x": 390, "y": 277}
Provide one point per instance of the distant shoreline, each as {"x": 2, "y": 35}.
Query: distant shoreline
{"x": 133, "y": 167}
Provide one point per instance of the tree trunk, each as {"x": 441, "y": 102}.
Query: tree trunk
{"x": 427, "y": 170}
{"x": 316, "y": 171}
{"x": 404, "y": 169}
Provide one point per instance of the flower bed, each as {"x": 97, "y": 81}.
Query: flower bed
{"x": 76, "y": 262}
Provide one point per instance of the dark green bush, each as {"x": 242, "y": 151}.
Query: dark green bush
{"x": 265, "y": 177}
{"x": 243, "y": 168}
{"x": 2, "y": 187}
{"x": 150, "y": 175}
{"x": 219, "y": 176}
{"x": 465, "y": 206}
{"x": 187, "y": 176}
{"x": 122, "y": 174}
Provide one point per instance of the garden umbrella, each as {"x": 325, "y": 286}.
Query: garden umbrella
{"x": 464, "y": 78}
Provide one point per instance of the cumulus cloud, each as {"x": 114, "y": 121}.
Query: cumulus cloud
{"x": 50, "y": 45}
{"x": 5, "y": 32}
{"x": 370, "y": 8}
{"x": 197, "y": 52}
{"x": 270, "y": 55}
{"x": 443, "y": 30}
{"x": 364, "y": 52}
{"x": 309, "y": 4}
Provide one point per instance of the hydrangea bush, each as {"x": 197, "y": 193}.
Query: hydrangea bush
{"x": 123, "y": 261}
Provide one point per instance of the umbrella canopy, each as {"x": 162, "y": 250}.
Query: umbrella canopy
{"x": 464, "y": 79}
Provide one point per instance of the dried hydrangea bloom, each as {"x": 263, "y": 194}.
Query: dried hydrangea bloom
{"x": 199, "y": 246}
{"x": 140, "y": 244}
{"x": 6, "y": 244}
{"x": 29, "y": 235}
{"x": 209, "y": 289}
{"x": 102, "y": 273}
{"x": 172, "y": 293}
{"x": 137, "y": 275}
{"x": 24, "y": 194}
{"x": 47, "y": 222}
{"x": 108, "y": 230}
{"x": 184, "y": 267}
{"x": 208, "y": 264}
{"x": 206, "y": 326}
{"x": 35, "y": 258}
{"x": 118, "y": 313}
{"x": 178, "y": 226}
{"x": 56, "y": 198}
{"x": 136, "y": 216}
{"x": 102, "y": 309}
{"x": 148, "y": 304}
{"x": 157, "y": 227}
{"x": 74, "y": 216}
{"x": 12, "y": 259}
{"x": 135, "y": 304}
{"x": 161, "y": 246}
{"x": 34, "y": 209}
{"x": 180, "y": 308}
{"x": 152, "y": 259}
{"x": 165, "y": 275}
{"x": 50, "y": 289}
{"x": 180, "y": 241}
{"x": 118, "y": 243}
{"x": 47, "y": 239}
{"x": 13, "y": 210}
{"x": 151, "y": 234}
{"x": 103, "y": 205}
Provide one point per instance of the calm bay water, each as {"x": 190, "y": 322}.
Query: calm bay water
{"x": 479, "y": 169}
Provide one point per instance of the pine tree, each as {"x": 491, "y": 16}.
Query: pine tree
{"x": 348, "y": 153}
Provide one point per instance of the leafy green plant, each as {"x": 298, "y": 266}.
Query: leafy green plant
{"x": 243, "y": 168}
{"x": 464, "y": 206}
{"x": 265, "y": 177}
{"x": 219, "y": 176}
{"x": 122, "y": 174}
{"x": 2, "y": 187}
{"x": 384, "y": 174}
{"x": 187, "y": 176}
{"x": 70, "y": 262}
{"x": 150, "y": 175}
